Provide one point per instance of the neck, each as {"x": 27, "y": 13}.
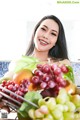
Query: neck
{"x": 42, "y": 56}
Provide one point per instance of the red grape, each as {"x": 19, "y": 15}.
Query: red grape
{"x": 57, "y": 71}
{"x": 64, "y": 69}
{"x": 51, "y": 84}
{"x": 10, "y": 87}
{"x": 38, "y": 73}
{"x": 54, "y": 66}
{"x": 58, "y": 79}
{"x": 39, "y": 66}
{"x": 35, "y": 80}
{"x": 16, "y": 88}
{"x": 46, "y": 78}
{"x": 43, "y": 85}
{"x": 46, "y": 68}
{"x": 45, "y": 93}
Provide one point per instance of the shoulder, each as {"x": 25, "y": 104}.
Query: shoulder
{"x": 65, "y": 61}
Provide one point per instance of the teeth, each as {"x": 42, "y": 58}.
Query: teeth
{"x": 43, "y": 42}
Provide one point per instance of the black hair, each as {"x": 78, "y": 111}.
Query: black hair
{"x": 60, "y": 48}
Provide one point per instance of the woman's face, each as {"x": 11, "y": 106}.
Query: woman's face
{"x": 46, "y": 35}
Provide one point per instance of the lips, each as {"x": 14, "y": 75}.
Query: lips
{"x": 43, "y": 42}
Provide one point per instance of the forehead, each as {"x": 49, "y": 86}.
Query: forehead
{"x": 50, "y": 24}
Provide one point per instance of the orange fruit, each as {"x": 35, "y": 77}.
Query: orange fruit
{"x": 21, "y": 75}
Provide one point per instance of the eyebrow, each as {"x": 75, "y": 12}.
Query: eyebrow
{"x": 52, "y": 29}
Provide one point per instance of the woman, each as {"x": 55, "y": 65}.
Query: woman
{"x": 48, "y": 41}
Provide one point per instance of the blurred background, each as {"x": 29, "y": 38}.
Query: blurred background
{"x": 18, "y": 18}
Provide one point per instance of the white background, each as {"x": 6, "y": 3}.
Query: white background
{"x": 18, "y": 18}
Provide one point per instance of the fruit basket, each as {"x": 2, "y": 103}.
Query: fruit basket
{"x": 41, "y": 91}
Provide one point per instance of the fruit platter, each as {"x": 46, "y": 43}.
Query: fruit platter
{"x": 41, "y": 91}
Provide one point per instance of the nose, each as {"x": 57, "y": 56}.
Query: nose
{"x": 46, "y": 36}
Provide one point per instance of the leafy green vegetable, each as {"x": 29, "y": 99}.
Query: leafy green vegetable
{"x": 32, "y": 96}
{"x": 70, "y": 75}
{"x": 26, "y": 62}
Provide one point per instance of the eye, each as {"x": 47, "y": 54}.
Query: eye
{"x": 43, "y": 29}
{"x": 53, "y": 34}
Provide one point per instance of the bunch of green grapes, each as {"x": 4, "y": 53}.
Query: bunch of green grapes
{"x": 60, "y": 108}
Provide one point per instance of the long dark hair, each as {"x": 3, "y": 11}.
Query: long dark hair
{"x": 57, "y": 51}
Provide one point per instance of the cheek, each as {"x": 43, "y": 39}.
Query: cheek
{"x": 37, "y": 34}
{"x": 53, "y": 42}
{"x": 36, "y": 41}
{"x": 35, "y": 38}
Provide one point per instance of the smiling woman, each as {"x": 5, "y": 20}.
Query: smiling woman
{"x": 48, "y": 41}
{"x": 46, "y": 36}
{"x": 72, "y": 33}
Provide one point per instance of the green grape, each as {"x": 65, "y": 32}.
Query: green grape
{"x": 77, "y": 116}
{"x": 38, "y": 114}
{"x": 71, "y": 106}
{"x": 68, "y": 115}
{"x": 48, "y": 117}
{"x": 41, "y": 102}
{"x": 51, "y": 103}
{"x": 57, "y": 113}
{"x": 62, "y": 97}
{"x": 60, "y": 107}
{"x": 44, "y": 109}
{"x": 76, "y": 100}
{"x": 62, "y": 118}
{"x": 65, "y": 108}
{"x": 31, "y": 113}
{"x": 62, "y": 91}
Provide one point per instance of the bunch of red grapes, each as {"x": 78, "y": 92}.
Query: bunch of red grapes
{"x": 20, "y": 89}
{"x": 49, "y": 78}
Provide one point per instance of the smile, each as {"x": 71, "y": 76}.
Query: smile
{"x": 42, "y": 42}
